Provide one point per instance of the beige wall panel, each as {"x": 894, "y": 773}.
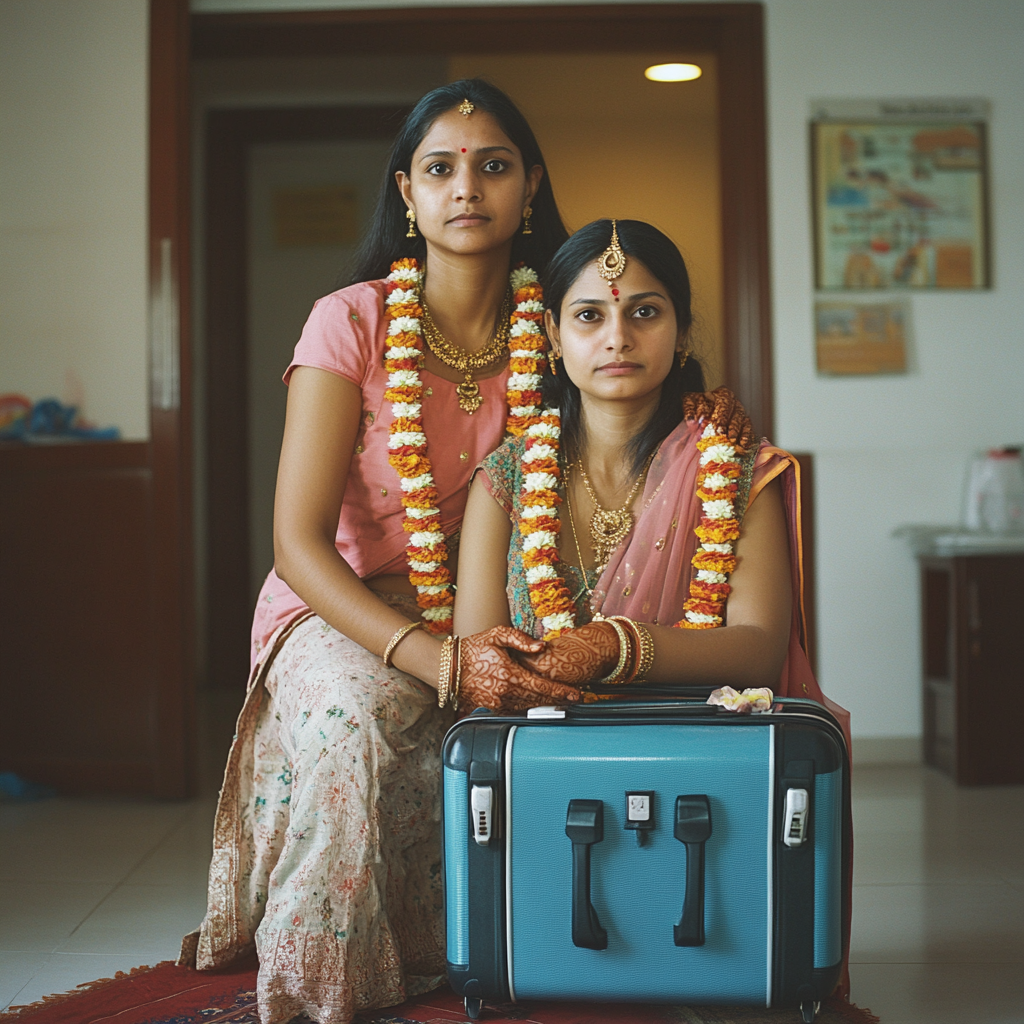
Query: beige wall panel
{"x": 73, "y": 123}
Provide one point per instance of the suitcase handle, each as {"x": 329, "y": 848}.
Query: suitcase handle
{"x": 692, "y": 828}
{"x": 584, "y": 825}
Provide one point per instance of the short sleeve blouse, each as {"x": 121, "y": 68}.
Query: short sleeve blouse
{"x": 346, "y": 335}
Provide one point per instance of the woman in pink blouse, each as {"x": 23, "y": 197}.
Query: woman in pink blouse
{"x": 326, "y": 854}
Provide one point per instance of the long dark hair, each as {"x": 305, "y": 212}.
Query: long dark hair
{"x": 658, "y": 253}
{"x": 385, "y": 240}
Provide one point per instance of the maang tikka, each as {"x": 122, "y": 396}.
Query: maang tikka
{"x": 611, "y": 264}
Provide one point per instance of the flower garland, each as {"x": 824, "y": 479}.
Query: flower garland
{"x": 427, "y": 549}
{"x": 717, "y": 531}
{"x": 549, "y": 596}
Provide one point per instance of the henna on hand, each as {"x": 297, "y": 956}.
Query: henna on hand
{"x": 722, "y": 408}
{"x": 490, "y": 677}
{"x": 583, "y": 655}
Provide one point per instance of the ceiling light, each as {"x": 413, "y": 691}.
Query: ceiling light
{"x": 672, "y": 72}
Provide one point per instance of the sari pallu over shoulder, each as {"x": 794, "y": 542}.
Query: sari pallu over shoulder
{"x": 647, "y": 577}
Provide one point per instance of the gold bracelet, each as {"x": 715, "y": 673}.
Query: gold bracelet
{"x": 398, "y": 638}
{"x": 457, "y": 674}
{"x": 444, "y": 670}
{"x": 624, "y": 652}
{"x": 645, "y": 648}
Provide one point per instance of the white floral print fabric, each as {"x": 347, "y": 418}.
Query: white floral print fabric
{"x": 327, "y": 851}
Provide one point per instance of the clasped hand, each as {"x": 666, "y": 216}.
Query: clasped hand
{"x": 505, "y": 670}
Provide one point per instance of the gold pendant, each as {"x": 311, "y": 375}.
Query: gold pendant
{"x": 607, "y": 529}
{"x": 469, "y": 395}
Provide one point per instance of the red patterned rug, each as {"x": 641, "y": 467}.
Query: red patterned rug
{"x": 167, "y": 994}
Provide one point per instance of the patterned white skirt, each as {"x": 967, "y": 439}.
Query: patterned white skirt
{"x": 327, "y": 843}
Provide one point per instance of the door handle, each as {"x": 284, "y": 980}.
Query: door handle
{"x": 584, "y": 825}
{"x": 692, "y": 828}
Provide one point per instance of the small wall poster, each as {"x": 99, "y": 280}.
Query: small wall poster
{"x": 857, "y": 337}
{"x": 900, "y": 192}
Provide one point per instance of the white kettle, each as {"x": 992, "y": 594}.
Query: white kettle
{"x": 994, "y": 496}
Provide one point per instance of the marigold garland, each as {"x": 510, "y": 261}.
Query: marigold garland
{"x": 717, "y": 485}
{"x": 427, "y": 550}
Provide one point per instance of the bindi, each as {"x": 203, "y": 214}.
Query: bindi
{"x": 463, "y": 149}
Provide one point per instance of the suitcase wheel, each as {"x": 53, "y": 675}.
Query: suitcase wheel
{"x": 808, "y": 1010}
{"x": 474, "y": 1007}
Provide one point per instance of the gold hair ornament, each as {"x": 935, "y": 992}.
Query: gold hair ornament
{"x": 465, "y": 108}
{"x": 611, "y": 264}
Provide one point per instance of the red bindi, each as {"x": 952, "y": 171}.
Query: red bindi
{"x": 463, "y": 149}
{"x": 615, "y": 291}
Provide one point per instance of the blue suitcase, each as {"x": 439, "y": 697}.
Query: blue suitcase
{"x": 647, "y": 851}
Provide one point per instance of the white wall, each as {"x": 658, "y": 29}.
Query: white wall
{"x": 73, "y": 320}
{"x": 892, "y": 450}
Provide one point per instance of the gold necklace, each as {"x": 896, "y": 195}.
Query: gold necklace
{"x": 609, "y": 526}
{"x": 587, "y": 589}
{"x": 466, "y": 362}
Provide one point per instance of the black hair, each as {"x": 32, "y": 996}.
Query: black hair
{"x": 386, "y": 241}
{"x": 658, "y": 253}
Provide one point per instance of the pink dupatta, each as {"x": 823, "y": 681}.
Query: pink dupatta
{"x": 648, "y": 576}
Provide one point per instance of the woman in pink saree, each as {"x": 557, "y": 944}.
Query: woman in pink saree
{"x": 642, "y": 471}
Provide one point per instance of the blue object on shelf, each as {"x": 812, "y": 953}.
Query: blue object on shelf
{"x": 50, "y": 420}
{"x": 14, "y": 789}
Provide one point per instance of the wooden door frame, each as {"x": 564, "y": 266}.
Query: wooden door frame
{"x": 734, "y": 32}
{"x": 230, "y": 133}
{"x": 170, "y": 404}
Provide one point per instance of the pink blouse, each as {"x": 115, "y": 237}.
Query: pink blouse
{"x": 345, "y": 334}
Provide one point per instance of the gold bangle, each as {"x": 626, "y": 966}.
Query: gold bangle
{"x": 444, "y": 670}
{"x": 624, "y": 652}
{"x": 629, "y": 675}
{"x": 645, "y": 648}
{"x": 457, "y": 674}
{"x": 646, "y": 652}
{"x": 397, "y": 639}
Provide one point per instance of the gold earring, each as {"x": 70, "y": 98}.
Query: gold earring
{"x": 551, "y": 362}
{"x": 683, "y": 356}
{"x": 411, "y": 233}
{"x": 527, "y": 214}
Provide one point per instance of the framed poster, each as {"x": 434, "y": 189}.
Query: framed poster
{"x": 900, "y": 195}
{"x": 854, "y": 336}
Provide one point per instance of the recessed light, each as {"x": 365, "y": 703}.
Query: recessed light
{"x": 672, "y": 72}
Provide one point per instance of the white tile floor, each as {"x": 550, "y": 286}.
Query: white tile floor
{"x": 91, "y": 887}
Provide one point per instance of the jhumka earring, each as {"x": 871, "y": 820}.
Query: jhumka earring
{"x": 683, "y": 356}
{"x": 411, "y": 233}
{"x": 611, "y": 264}
{"x": 465, "y": 108}
{"x": 553, "y": 363}
{"x": 527, "y": 214}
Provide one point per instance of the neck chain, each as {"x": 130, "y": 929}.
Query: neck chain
{"x": 588, "y": 590}
{"x": 467, "y": 362}
{"x": 609, "y": 526}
